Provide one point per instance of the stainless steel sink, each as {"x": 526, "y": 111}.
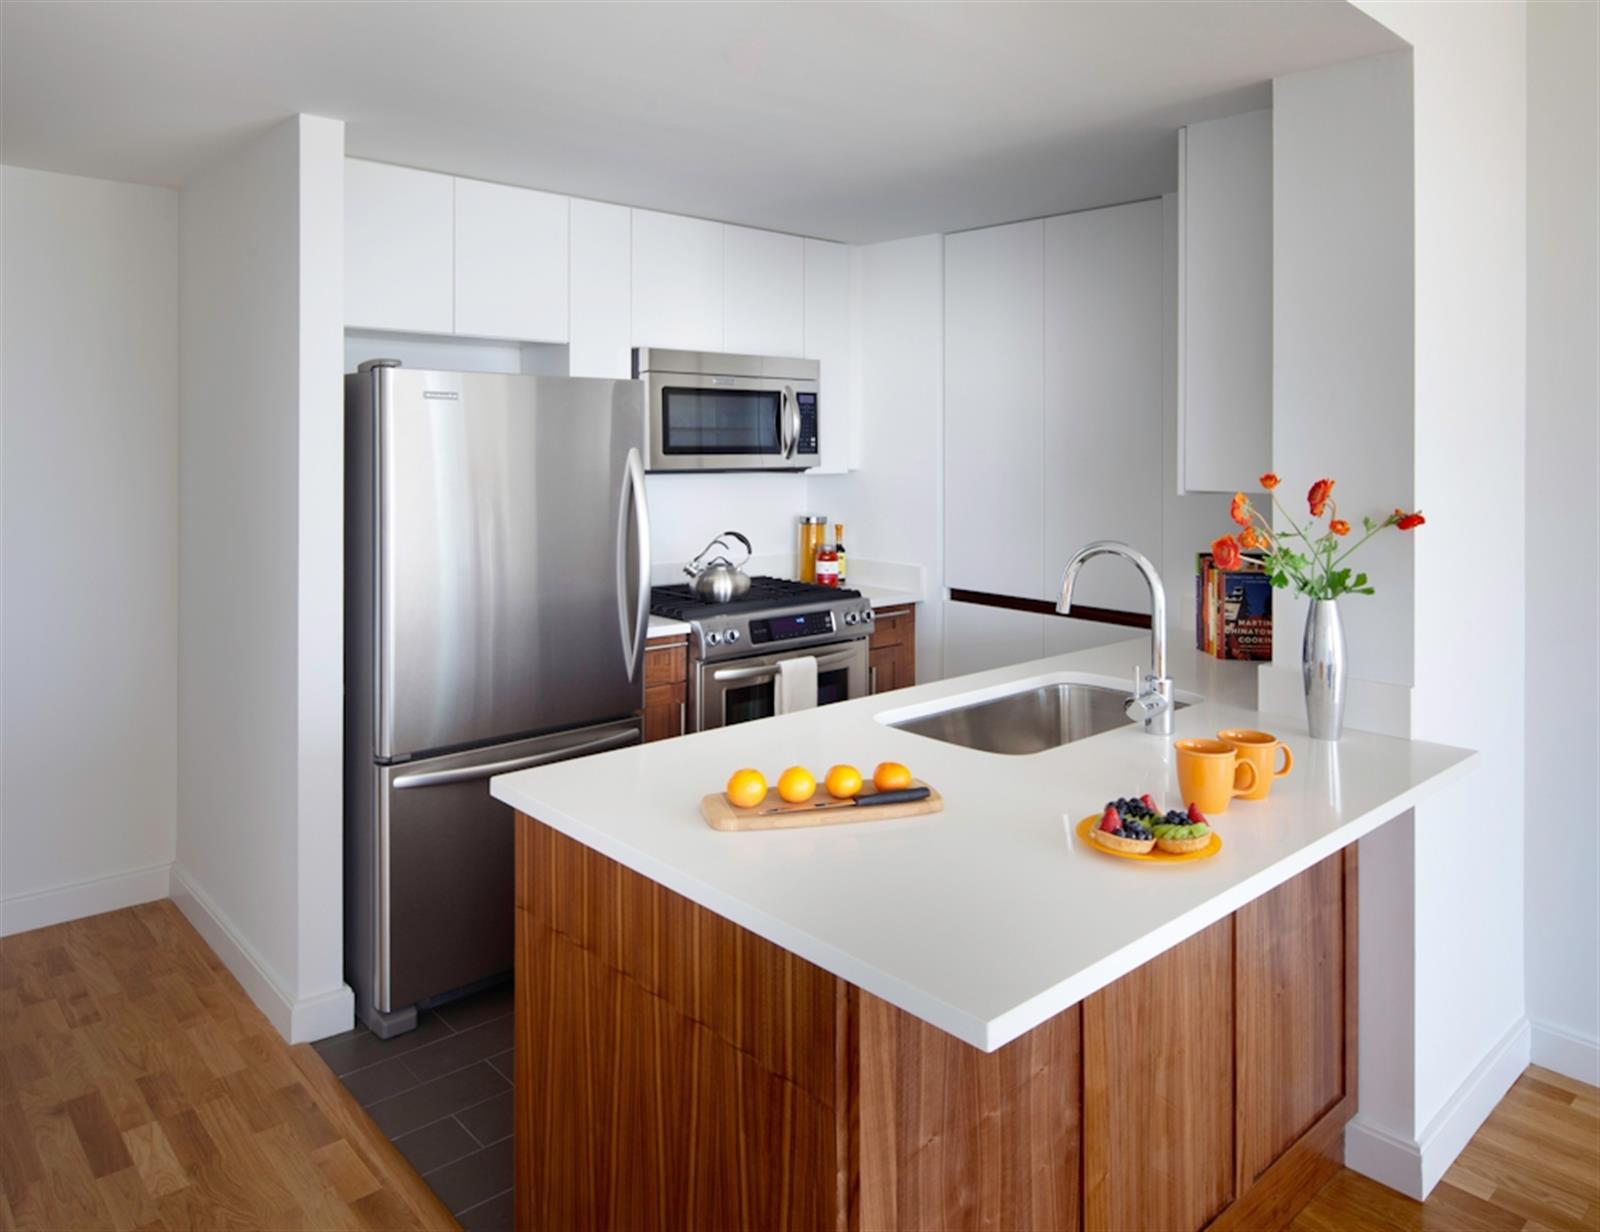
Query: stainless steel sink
{"x": 1028, "y": 721}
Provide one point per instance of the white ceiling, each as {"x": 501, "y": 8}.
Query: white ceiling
{"x": 850, "y": 121}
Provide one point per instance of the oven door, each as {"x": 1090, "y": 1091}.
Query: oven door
{"x": 738, "y": 690}
{"x": 731, "y": 423}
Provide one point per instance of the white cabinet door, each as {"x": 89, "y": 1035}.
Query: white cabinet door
{"x": 994, "y": 409}
{"x": 764, "y": 292}
{"x": 677, "y": 282}
{"x": 1103, "y": 397}
{"x": 601, "y": 290}
{"x": 978, "y": 638}
{"x": 1225, "y": 303}
{"x": 399, "y": 242}
{"x": 827, "y": 340}
{"x": 510, "y": 262}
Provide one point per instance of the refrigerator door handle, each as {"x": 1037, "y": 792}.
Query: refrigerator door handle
{"x": 461, "y": 774}
{"x": 633, "y": 483}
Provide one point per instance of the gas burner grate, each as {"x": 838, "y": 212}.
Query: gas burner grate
{"x": 679, "y": 603}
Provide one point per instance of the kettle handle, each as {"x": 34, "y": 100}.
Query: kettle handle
{"x": 748, "y": 550}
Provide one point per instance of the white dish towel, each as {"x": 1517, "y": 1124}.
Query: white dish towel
{"x": 797, "y": 684}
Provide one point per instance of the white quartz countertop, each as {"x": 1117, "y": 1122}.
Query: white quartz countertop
{"x": 990, "y": 917}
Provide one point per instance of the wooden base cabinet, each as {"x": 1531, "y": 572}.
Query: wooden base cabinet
{"x": 666, "y": 687}
{"x": 676, "y": 1071}
{"x": 892, "y": 650}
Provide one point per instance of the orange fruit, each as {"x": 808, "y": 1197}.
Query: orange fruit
{"x": 796, "y": 785}
{"x": 843, "y": 782}
{"x": 891, "y": 776}
{"x": 746, "y": 789}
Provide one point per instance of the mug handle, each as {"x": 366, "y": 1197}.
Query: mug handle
{"x": 1288, "y": 762}
{"x": 1250, "y": 784}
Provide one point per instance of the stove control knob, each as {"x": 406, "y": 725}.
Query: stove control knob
{"x": 852, "y": 618}
{"x": 733, "y": 636}
{"x": 867, "y": 616}
{"x": 713, "y": 639}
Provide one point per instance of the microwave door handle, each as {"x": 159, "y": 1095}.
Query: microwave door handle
{"x": 791, "y": 421}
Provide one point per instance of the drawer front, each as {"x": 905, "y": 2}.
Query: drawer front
{"x": 666, "y": 663}
{"x": 892, "y": 626}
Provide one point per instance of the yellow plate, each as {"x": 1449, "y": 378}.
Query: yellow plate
{"x": 1155, "y": 855}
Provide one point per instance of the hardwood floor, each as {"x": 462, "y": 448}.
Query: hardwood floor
{"x": 140, "y": 1089}
{"x": 1534, "y": 1166}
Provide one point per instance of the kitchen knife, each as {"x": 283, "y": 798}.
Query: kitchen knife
{"x": 904, "y": 795}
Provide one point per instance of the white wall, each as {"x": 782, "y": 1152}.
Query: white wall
{"x": 90, "y": 546}
{"x": 1470, "y": 1035}
{"x": 1342, "y": 355}
{"x": 1563, "y": 546}
{"x": 259, "y": 865}
{"x": 892, "y": 505}
{"x": 686, "y": 510}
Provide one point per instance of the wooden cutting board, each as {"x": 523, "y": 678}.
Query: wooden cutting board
{"x": 820, "y": 810}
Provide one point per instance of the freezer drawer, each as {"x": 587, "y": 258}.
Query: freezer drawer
{"x": 435, "y": 911}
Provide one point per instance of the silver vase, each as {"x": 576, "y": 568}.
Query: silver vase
{"x": 1322, "y": 668}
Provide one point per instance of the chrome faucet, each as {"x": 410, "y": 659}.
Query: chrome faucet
{"x": 1151, "y": 703}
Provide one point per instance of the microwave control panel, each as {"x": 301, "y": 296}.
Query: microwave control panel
{"x": 807, "y": 444}
{"x": 784, "y": 628}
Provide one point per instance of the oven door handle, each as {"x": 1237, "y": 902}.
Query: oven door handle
{"x": 769, "y": 671}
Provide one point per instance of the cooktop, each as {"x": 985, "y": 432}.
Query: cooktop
{"x": 680, "y": 603}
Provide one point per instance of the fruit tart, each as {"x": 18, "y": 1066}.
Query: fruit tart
{"x": 1181, "y": 832}
{"x": 1125, "y": 826}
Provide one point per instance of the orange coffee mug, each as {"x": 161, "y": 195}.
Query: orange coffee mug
{"x": 1210, "y": 774}
{"x": 1260, "y": 749}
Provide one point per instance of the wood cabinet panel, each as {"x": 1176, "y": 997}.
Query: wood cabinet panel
{"x": 951, "y": 1137}
{"x": 1158, "y": 1091}
{"x": 892, "y": 649}
{"x": 666, "y": 688}
{"x": 1290, "y": 992}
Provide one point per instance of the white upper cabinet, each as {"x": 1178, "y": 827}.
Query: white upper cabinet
{"x": 994, "y": 409}
{"x": 677, "y": 282}
{"x": 510, "y": 262}
{"x": 1225, "y": 303}
{"x": 764, "y": 292}
{"x": 602, "y": 290}
{"x": 399, "y": 241}
{"x": 1102, "y": 457}
{"x": 827, "y": 340}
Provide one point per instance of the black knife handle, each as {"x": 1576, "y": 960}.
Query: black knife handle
{"x": 902, "y": 796}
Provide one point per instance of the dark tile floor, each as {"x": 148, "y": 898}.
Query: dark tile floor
{"x": 442, "y": 1094}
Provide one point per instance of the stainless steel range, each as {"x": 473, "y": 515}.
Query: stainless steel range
{"x": 735, "y": 649}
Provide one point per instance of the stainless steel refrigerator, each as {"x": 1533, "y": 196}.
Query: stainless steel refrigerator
{"x": 497, "y": 596}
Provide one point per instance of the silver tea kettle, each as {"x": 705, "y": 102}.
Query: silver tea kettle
{"x": 719, "y": 580}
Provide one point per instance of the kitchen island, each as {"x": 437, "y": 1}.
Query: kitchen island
{"x": 965, "y": 1019}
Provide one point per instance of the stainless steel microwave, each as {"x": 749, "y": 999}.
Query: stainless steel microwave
{"x": 714, "y": 412}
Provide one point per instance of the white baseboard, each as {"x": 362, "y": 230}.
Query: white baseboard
{"x": 20, "y": 913}
{"x": 1567, "y": 1052}
{"x": 298, "y": 1021}
{"x": 1415, "y": 1167}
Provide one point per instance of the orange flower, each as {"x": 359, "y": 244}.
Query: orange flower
{"x": 1225, "y": 553}
{"x": 1240, "y": 510}
{"x": 1339, "y": 526}
{"x": 1269, "y": 481}
{"x": 1318, "y": 497}
{"x": 1409, "y": 521}
{"x": 1250, "y": 538}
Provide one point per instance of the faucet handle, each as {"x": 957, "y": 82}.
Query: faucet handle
{"x": 1148, "y": 699}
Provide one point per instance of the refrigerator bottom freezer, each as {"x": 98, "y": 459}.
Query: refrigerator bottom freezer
{"x": 429, "y": 894}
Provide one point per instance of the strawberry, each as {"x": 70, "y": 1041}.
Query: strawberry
{"x": 1196, "y": 817}
{"x": 1111, "y": 822}
{"x": 1148, "y": 803}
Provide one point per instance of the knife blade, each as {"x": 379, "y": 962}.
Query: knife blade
{"x": 903, "y": 795}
